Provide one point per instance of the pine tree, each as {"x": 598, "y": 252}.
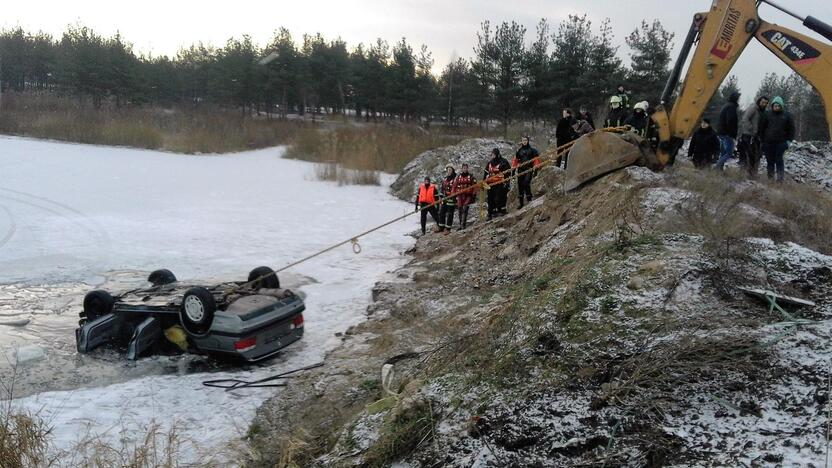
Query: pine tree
{"x": 651, "y": 48}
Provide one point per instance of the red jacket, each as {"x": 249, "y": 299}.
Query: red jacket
{"x": 465, "y": 186}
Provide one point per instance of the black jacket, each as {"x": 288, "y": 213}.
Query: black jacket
{"x": 776, "y": 127}
{"x": 501, "y": 163}
{"x": 729, "y": 119}
{"x": 704, "y": 145}
{"x": 638, "y": 120}
{"x": 616, "y": 117}
{"x": 525, "y": 155}
{"x": 564, "y": 131}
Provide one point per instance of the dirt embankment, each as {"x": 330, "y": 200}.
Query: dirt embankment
{"x": 600, "y": 327}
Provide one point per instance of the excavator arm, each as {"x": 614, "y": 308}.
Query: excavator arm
{"x": 721, "y": 35}
{"x": 717, "y": 38}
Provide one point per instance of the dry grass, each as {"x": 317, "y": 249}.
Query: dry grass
{"x": 334, "y": 173}
{"x": 183, "y": 131}
{"x": 725, "y": 208}
{"x": 366, "y": 148}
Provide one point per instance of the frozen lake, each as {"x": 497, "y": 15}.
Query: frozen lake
{"x": 75, "y": 217}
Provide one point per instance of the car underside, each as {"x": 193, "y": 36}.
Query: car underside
{"x": 249, "y": 320}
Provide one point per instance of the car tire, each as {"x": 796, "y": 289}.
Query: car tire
{"x": 196, "y": 314}
{"x": 161, "y": 277}
{"x": 97, "y": 303}
{"x": 263, "y": 277}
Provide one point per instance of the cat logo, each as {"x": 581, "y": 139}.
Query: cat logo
{"x": 792, "y": 47}
{"x": 724, "y": 43}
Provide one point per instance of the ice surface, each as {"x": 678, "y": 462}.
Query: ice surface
{"x": 73, "y": 213}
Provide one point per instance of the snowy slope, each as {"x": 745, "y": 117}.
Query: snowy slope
{"x": 73, "y": 213}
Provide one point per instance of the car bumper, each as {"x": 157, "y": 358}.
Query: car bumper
{"x": 269, "y": 341}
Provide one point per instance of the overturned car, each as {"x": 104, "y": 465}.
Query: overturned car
{"x": 250, "y": 320}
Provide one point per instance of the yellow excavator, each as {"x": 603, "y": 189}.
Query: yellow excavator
{"x": 720, "y": 37}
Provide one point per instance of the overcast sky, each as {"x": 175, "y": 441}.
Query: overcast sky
{"x": 447, "y": 27}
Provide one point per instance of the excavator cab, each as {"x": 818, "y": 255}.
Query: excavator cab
{"x": 719, "y": 36}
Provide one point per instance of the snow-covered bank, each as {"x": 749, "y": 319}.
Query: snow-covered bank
{"x": 73, "y": 213}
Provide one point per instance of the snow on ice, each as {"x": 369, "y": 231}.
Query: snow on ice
{"x": 74, "y": 213}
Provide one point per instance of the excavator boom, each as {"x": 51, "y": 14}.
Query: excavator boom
{"x": 720, "y": 36}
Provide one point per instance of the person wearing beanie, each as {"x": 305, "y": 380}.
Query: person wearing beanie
{"x": 704, "y": 145}
{"x": 777, "y": 131}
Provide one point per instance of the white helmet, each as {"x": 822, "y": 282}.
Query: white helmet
{"x": 643, "y": 105}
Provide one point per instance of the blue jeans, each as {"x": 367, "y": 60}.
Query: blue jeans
{"x": 726, "y": 150}
{"x": 774, "y": 159}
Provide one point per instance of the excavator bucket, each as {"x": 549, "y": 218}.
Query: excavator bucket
{"x": 599, "y": 153}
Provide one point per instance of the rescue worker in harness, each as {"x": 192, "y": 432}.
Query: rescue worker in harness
{"x": 465, "y": 186}
{"x": 447, "y": 207}
{"x": 425, "y": 201}
{"x": 495, "y": 176}
{"x": 525, "y": 159}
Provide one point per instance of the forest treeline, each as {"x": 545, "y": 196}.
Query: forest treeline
{"x": 512, "y": 75}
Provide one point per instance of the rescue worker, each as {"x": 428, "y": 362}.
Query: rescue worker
{"x": 465, "y": 185}
{"x": 704, "y": 145}
{"x": 525, "y": 160}
{"x": 564, "y": 134}
{"x": 426, "y": 201}
{"x": 617, "y": 114}
{"x": 625, "y": 97}
{"x": 638, "y": 120}
{"x": 777, "y": 132}
{"x": 447, "y": 206}
{"x": 749, "y": 144}
{"x": 584, "y": 114}
{"x": 495, "y": 176}
{"x": 728, "y": 129}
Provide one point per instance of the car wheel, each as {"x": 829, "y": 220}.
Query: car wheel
{"x": 160, "y": 277}
{"x": 197, "y": 311}
{"x": 97, "y": 304}
{"x": 263, "y": 277}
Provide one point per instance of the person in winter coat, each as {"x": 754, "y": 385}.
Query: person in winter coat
{"x": 728, "y": 129}
{"x": 447, "y": 206}
{"x": 495, "y": 175}
{"x": 617, "y": 114}
{"x": 704, "y": 145}
{"x": 639, "y": 120}
{"x": 425, "y": 201}
{"x": 625, "y": 97}
{"x": 584, "y": 114}
{"x": 749, "y": 144}
{"x": 564, "y": 133}
{"x": 465, "y": 186}
{"x": 582, "y": 127}
{"x": 525, "y": 159}
{"x": 777, "y": 132}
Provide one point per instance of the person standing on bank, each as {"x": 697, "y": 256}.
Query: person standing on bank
{"x": 564, "y": 134}
{"x": 704, "y": 145}
{"x": 447, "y": 206}
{"x": 523, "y": 164}
{"x": 465, "y": 187}
{"x": 728, "y": 129}
{"x": 495, "y": 175}
{"x": 777, "y": 132}
{"x": 426, "y": 201}
{"x": 749, "y": 144}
